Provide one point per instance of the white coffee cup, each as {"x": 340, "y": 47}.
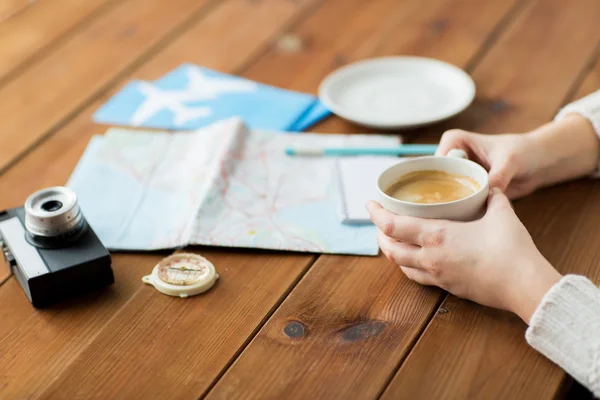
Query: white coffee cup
{"x": 466, "y": 209}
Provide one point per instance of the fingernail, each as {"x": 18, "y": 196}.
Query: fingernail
{"x": 496, "y": 190}
{"x": 368, "y": 206}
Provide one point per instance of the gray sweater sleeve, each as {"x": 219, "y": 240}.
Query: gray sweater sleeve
{"x": 566, "y": 328}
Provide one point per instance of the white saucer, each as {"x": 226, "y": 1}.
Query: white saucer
{"x": 397, "y": 92}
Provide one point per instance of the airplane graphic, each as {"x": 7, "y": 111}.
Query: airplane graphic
{"x": 158, "y": 100}
{"x": 199, "y": 88}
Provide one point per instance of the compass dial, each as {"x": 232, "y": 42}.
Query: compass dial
{"x": 183, "y": 269}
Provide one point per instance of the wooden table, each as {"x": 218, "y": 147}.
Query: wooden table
{"x": 283, "y": 325}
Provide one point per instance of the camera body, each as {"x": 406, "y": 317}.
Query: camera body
{"x": 52, "y": 251}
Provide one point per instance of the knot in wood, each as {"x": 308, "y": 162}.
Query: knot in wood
{"x": 363, "y": 330}
{"x": 438, "y": 26}
{"x": 499, "y": 105}
{"x": 294, "y": 329}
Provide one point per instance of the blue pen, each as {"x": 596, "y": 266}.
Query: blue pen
{"x": 403, "y": 150}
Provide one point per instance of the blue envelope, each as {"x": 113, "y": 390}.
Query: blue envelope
{"x": 191, "y": 97}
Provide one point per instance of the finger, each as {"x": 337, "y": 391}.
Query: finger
{"x": 399, "y": 253}
{"x": 411, "y": 230}
{"x": 477, "y": 146}
{"x": 517, "y": 190}
{"x": 497, "y": 202}
{"x": 453, "y": 139}
{"x": 501, "y": 173}
{"x": 419, "y": 276}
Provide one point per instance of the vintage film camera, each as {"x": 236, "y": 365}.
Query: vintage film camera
{"x": 50, "y": 248}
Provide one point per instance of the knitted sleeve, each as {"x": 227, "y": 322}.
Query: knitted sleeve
{"x": 566, "y": 328}
{"x": 589, "y": 108}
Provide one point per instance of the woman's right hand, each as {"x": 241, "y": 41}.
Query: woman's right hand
{"x": 511, "y": 167}
{"x": 492, "y": 261}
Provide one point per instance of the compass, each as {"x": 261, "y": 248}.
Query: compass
{"x": 182, "y": 275}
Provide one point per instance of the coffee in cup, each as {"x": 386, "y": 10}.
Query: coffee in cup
{"x": 418, "y": 183}
{"x": 432, "y": 187}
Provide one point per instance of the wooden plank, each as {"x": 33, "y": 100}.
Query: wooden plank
{"x": 10, "y": 8}
{"x": 160, "y": 347}
{"x": 337, "y": 336}
{"x": 348, "y": 324}
{"x": 591, "y": 81}
{"x": 473, "y": 351}
{"x": 34, "y": 26}
{"x": 52, "y": 91}
{"x": 106, "y": 47}
{"x": 36, "y": 346}
{"x": 451, "y": 35}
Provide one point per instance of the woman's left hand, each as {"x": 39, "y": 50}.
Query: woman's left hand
{"x": 492, "y": 261}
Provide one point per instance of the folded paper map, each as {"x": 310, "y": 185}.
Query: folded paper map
{"x": 223, "y": 185}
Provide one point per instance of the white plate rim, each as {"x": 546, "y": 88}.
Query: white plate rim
{"x": 340, "y": 73}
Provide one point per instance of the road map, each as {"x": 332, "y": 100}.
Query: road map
{"x": 222, "y": 185}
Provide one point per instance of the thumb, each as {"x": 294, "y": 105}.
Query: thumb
{"x": 454, "y": 139}
{"x": 497, "y": 201}
{"x": 501, "y": 174}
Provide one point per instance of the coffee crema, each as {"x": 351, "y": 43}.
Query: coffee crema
{"x": 430, "y": 187}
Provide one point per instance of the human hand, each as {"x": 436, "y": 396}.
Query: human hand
{"x": 511, "y": 167}
{"x": 492, "y": 261}
{"x": 518, "y": 164}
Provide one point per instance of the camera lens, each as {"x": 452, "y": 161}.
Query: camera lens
{"x": 52, "y": 212}
{"x": 52, "y": 205}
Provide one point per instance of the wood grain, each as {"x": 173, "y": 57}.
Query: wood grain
{"x": 453, "y": 31}
{"x": 207, "y": 38}
{"x": 35, "y": 25}
{"x": 335, "y": 336}
{"x": 591, "y": 75}
{"x": 10, "y": 8}
{"x": 38, "y": 345}
{"x": 162, "y": 347}
{"x": 36, "y": 102}
{"x": 45, "y": 96}
{"x": 348, "y": 324}
{"x": 475, "y": 352}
